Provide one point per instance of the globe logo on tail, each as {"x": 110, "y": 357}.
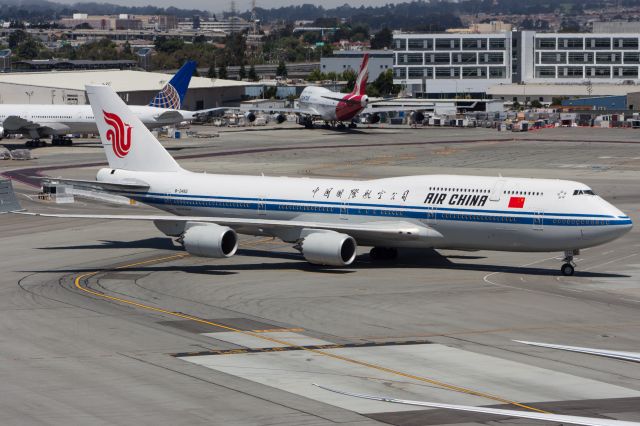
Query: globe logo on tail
{"x": 168, "y": 97}
{"x": 119, "y": 134}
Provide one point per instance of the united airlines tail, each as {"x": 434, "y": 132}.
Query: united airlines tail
{"x": 172, "y": 94}
{"x": 128, "y": 143}
{"x": 360, "y": 87}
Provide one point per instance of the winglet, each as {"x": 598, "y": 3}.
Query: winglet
{"x": 360, "y": 87}
{"x": 172, "y": 94}
{"x": 8, "y": 200}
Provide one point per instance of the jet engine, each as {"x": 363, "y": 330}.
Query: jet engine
{"x": 250, "y": 116}
{"x": 374, "y": 118}
{"x": 2, "y": 134}
{"x": 279, "y": 118}
{"x": 329, "y": 248}
{"x": 417, "y": 117}
{"x": 364, "y": 101}
{"x": 210, "y": 240}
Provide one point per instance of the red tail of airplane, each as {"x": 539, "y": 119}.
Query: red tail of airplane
{"x": 360, "y": 87}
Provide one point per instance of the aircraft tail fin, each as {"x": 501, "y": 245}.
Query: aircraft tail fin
{"x": 172, "y": 94}
{"x": 360, "y": 87}
{"x": 128, "y": 144}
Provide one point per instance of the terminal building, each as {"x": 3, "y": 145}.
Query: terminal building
{"x": 448, "y": 65}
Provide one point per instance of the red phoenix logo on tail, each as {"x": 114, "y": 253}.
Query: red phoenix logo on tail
{"x": 119, "y": 134}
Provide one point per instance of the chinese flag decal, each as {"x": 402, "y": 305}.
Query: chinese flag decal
{"x": 516, "y": 202}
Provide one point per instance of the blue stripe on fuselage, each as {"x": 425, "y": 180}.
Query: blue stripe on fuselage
{"x": 461, "y": 215}
{"x": 347, "y": 203}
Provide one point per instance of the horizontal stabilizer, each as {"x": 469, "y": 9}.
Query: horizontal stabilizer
{"x": 8, "y": 200}
{"x": 95, "y": 185}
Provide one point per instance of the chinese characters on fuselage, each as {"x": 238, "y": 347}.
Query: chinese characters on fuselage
{"x": 356, "y": 193}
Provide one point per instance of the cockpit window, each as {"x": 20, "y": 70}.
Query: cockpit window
{"x": 583, "y": 192}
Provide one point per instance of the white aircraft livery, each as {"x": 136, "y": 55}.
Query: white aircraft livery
{"x": 327, "y": 218}
{"x": 56, "y": 121}
{"x": 333, "y": 107}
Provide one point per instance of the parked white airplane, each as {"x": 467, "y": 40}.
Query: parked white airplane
{"x": 327, "y": 218}
{"x": 57, "y": 121}
{"x": 547, "y": 417}
{"x": 319, "y": 103}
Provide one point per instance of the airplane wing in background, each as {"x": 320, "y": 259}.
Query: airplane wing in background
{"x": 400, "y": 231}
{"x": 373, "y": 110}
{"x": 16, "y": 124}
{"x": 557, "y": 418}
{"x": 301, "y": 111}
{"x": 169, "y": 117}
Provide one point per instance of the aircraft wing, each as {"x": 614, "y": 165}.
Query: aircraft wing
{"x": 573, "y": 420}
{"x": 301, "y": 111}
{"x": 373, "y": 110}
{"x": 15, "y": 123}
{"x": 99, "y": 186}
{"x": 401, "y": 231}
{"x": 170, "y": 117}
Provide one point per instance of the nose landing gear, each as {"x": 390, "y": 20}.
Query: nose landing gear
{"x": 568, "y": 268}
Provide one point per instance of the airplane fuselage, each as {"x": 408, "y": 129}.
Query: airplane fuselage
{"x": 466, "y": 212}
{"x": 54, "y": 120}
{"x": 332, "y": 106}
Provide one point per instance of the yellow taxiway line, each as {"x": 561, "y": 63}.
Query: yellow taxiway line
{"x": 83, "y": 277}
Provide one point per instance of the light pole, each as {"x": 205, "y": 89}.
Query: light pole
{"x": 29, "y": 93}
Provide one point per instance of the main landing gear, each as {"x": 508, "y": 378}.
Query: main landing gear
{"x": 35, "y": 143}
{"x": 61, "y": 140}
{"x": 568, "y": 268}
{"x": 383, "y": 253}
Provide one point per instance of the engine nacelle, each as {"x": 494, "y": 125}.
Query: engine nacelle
{"x": 364, "y": 101}
{"x": 250, "y": 116}
{"x": 279, "y": 118}
{"x": 417, "y": 117}
{"x": 329, "y": 248}
{"x": 2, "y": 134}
{"x": 210, "y": 240}
{"x": 374, "y": 118}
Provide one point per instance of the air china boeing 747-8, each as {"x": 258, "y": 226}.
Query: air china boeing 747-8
{"x": 327, "y": 218}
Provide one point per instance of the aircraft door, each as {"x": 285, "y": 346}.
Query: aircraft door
{"x": 496, "y": 190}
{"x": 431, "y": 215}
{"x": 344, "y": 210}
{"x": 538, "y": 220}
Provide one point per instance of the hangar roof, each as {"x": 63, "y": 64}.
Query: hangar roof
{"x": 121, "y": 81}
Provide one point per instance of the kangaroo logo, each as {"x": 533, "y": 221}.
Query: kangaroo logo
{"x": 119, "y": 134}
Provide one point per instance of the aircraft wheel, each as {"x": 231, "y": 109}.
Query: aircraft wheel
{"x": 353, "y": 125}
{"x": 567, "y": 269}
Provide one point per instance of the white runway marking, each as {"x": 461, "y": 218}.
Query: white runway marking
{"x": 296, "y": 371}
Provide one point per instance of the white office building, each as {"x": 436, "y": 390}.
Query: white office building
{"x": 456, "y": 64}
{"x": 452, "y": 63}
